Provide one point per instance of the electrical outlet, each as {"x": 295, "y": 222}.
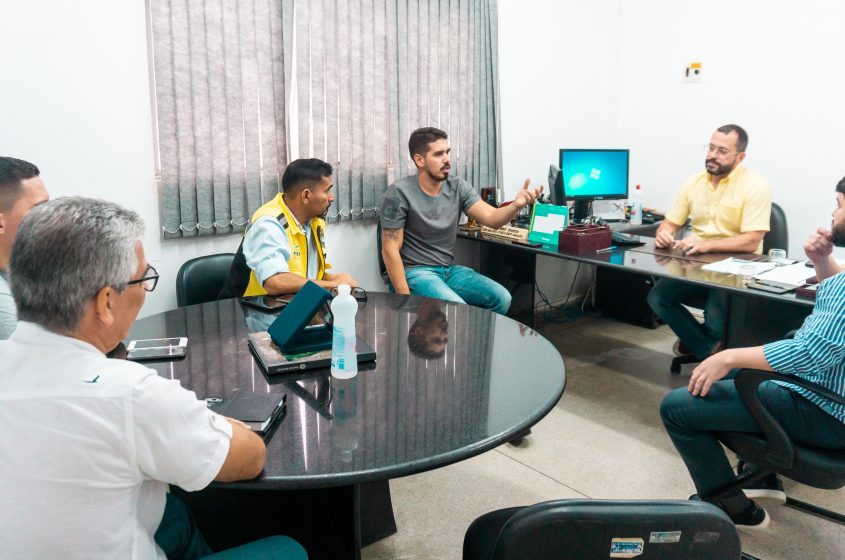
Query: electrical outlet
{"x": 692, "y": 73}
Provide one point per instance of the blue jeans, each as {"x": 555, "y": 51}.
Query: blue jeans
{"x": 691, "y": 421}
{"x": 179, "y": 537}
{"x": 667, "y": 298}
{"x": 459, "y": 284}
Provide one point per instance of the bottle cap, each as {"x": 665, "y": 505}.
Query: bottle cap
{"x": 344, "y": 290}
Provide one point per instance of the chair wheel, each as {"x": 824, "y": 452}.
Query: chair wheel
{"x": 675, "y": 368}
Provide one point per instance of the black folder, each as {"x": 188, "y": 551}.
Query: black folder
{"x": 256, "y": 410}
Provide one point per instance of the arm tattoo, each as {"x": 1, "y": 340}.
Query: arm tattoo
{"x": 392, "y": 234}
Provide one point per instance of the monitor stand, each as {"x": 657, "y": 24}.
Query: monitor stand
{"x": 582, "y": 209}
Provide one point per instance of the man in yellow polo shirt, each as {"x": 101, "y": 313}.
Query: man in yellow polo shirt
{"x": 729, "y": 207}
{"x": 284, "y": 244}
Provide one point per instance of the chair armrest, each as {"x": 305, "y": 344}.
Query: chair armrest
{"x": 800, "y": 382}
{"x": 779, "y": 450}
{"x": 779, "y": 446}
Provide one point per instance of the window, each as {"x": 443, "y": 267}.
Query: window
{"x": 241, "y": 88}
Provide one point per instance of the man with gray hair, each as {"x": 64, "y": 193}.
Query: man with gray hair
{"x": 21, "y": 188}
{"x": 91, "y": 443}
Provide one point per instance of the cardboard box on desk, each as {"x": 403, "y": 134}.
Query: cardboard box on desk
{"x": 583, "y": 238}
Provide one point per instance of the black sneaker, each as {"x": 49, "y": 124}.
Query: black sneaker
{"x": 752, "y": 518}
{"x": 768, "y": 490}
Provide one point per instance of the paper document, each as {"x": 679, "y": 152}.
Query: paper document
{"x": 790, "y": 276}
{"x": 548, "y": 224}
{"x": 609, "y": 209}
{"x": 731, "y": 265}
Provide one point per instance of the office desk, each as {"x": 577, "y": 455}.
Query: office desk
{"x": 750, "y": 311}
{"x": 342, "y": 440}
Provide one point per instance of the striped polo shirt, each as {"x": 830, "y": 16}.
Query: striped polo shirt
{"x": 817, "y": 352}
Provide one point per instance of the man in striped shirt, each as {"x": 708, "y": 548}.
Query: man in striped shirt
{"x": 817, "y": 353}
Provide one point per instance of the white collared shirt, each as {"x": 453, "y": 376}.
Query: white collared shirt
{"x": 8, "y": 311}
{"x": 88, "y": 445}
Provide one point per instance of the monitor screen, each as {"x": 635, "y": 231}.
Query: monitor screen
{"x": 555, "y": 185}
{"x": 594, "y": 174}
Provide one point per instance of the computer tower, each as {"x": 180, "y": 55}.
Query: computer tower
{"x": 622, "y": 295}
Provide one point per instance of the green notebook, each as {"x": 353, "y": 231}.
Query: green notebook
{"x": 546, "y": 221}
{"x": 294, "y": 331}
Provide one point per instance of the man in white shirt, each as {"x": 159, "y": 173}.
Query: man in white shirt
{"x": 21, "y": 188}
{"x": 90, "y": 444}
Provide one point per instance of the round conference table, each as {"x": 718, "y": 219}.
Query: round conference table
{"x": 449, "y": 382}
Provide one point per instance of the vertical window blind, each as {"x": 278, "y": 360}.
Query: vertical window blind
{"x": 241, "y": 88}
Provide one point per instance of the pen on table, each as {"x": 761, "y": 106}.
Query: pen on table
{"x": 607, "y": 250}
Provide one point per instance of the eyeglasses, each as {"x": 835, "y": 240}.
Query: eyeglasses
{"x": 149, "y": 280}
{"x": 710, "y": 148}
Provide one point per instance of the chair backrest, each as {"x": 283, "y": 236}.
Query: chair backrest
{"x": 199, "y": 280}
{"x": 599, "y": 529}
{"x": 778, "y": 235}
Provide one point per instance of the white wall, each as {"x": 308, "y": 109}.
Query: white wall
{"x": 608, "y": 73}
{"x": 75, "y": 101}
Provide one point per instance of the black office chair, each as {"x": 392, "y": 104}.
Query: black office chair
{"x": 776, "y": 238}
{"x": 679, "y": 361}
{"x": 773, "y": 451}
{"x": 778, "y": 235}
{"x": 600, "y": 529}
{"x": 199, "y": 280}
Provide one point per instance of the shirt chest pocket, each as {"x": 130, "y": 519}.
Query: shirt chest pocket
{"x": 729, "y": 216}
{"x": 702, "y": 212}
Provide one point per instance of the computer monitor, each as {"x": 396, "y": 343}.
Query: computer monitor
{"x": 589, "y": 175}
{"x": 555, "y": 185}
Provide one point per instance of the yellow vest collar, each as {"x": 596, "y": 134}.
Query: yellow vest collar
{"x": 292, "y": 221}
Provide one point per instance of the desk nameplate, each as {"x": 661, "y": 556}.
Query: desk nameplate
{"x": 509, "y": 233}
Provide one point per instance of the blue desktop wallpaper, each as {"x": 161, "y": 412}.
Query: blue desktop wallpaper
{"x": 594, "y": 173}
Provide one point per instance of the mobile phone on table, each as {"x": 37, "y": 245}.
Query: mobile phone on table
{"x": 157, "y": 349}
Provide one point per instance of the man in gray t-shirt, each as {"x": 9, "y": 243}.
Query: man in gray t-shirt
{"x": 419, "y": 220}
{"x": 21, "y": 188}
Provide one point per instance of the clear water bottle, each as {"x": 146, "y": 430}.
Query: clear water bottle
{"x": 636, "y": 216}
{"x": 344, "y": 351}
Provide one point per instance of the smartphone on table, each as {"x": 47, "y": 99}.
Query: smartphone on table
{"x": 157, "y": 349}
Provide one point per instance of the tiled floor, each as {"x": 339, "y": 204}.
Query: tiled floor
{"x": 604, "y": 439}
